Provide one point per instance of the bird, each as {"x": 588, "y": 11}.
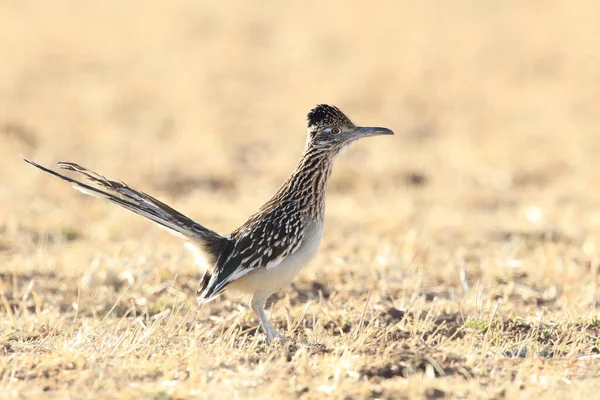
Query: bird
{"x": 265, "y": 253}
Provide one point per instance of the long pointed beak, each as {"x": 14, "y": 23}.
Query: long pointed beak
{"x": 365, "y": 131}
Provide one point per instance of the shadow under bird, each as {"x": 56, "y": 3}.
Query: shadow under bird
{"x": 264, "y": 254}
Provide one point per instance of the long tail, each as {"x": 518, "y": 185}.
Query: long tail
{"x": 142, "y": 204}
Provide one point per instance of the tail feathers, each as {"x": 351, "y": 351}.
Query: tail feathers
{"x": 142, "y": 204}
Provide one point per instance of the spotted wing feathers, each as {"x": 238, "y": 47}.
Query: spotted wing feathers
{"x": 262, "y": 242}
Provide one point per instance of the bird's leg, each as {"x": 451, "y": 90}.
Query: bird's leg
{"x": 258, "y": 306}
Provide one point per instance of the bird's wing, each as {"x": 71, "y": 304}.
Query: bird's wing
{"x": 263, "y": 242}
{"x": 142, "y": 204}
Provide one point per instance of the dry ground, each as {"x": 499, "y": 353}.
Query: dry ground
{"x": 460, "y": 257}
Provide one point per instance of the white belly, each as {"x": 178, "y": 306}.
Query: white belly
{"x": 270, "y": 280}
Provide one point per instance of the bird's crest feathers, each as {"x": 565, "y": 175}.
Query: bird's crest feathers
{"x": 325, "y": 115}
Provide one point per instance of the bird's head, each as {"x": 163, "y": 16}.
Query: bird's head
{"x": 329, "y": 128}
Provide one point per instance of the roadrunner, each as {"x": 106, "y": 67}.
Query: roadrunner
{"x": 267, "y": 251}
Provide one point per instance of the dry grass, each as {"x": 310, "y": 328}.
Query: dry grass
{"x": 460, "y": 257}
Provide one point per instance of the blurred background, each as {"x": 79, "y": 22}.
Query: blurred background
{"x": 203, "y": 104}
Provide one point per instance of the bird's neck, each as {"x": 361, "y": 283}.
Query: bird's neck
{"x": 308, "y": 183}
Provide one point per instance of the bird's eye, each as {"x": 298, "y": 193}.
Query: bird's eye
{"x": 335, "y": 131}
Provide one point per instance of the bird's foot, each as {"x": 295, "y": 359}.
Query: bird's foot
{"x": 273, "y": 335}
